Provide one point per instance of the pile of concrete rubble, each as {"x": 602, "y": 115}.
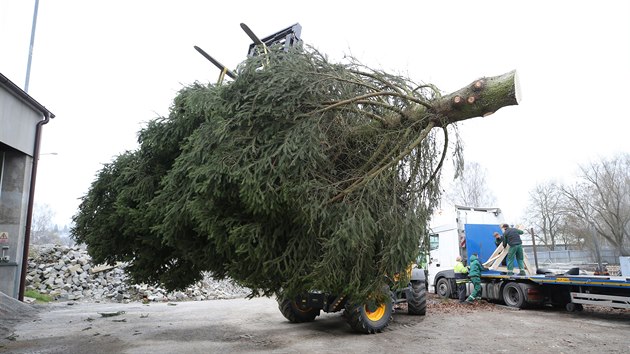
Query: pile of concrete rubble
{"x": 67, "y": 273}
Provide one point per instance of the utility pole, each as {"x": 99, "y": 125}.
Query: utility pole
{"x": 30, "y": 49}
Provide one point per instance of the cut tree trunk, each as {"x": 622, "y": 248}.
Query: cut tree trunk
{"x": 479, "y": 99}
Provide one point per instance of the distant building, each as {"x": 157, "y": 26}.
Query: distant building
{"x": 21, "y": 121}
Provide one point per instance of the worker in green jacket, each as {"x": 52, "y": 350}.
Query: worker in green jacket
{"x": 512, "y": 237}
{"x": 497, "y": 239}
{"x": 461, "y": 278}
{"x": 475, "y": 277}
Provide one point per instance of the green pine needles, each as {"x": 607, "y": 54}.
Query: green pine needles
{"x": 298, "y": 175}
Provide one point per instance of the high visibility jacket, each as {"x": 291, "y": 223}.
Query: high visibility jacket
{"x": 460, "y": 273}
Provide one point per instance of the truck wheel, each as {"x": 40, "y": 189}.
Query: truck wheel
{"x": 295, "y": 312}
{"x": 513, "y": 296}
{"x": 443, "y": 288}
{"x": 558, "y": 305}
{"x": 417, "y": 304}
{"x": 369, "y": 318}
{"x": 571, "y": 307}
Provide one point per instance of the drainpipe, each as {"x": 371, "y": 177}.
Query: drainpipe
{"x": 31, "y": 202}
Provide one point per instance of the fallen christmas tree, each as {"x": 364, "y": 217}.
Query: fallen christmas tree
{"x": 300, "y": 174}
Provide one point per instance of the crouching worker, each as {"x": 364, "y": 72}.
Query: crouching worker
{"x": 475, "y": 277}
{"x": 461, "y": 278}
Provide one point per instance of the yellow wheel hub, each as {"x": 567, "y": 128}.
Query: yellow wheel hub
{"x": 377, "y": 314}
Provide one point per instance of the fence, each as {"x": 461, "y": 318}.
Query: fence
{"x": 572, "y": 256}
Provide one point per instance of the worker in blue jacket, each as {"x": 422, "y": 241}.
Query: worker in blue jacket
{"x": 475, "y": 277}
{"x": 512, "y": 237}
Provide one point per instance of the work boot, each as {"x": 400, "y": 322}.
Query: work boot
{"x": 522, "y": 272}
{"x": 510, "y": 273}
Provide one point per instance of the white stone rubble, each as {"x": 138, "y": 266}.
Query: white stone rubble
{"x": 67, "y": 273}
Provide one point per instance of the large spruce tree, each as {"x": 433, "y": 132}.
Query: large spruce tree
{"x": 300, "y": 174}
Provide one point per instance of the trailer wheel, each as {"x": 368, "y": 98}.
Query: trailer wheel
{"x": 293, "y": 311}
{"x": 417, "y": 304}
{"x": 558, "y": 305}
{"x": 443, "y": 288}
{"x": 369, "y": 318}
{"x": 513, "y": 296}
{"x": 571, "y": 307}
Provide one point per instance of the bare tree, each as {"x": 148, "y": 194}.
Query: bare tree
{"x": 546, "y": 213}
{"x": 43, "y": 230}
{"x": 579, "y": 231}
{"x": 471, "y": 188}
{"x": 602, "y": 199}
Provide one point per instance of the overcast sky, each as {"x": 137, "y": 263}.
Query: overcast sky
{"x": 104, "y": 68}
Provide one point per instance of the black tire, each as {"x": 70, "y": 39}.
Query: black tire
{"x": 361, "y": 319}
{"x": 513, "y": 296}
{"x": 579, "y": 307}
{"x": 558, "y": 305}
{"x": 417, "y": 304}
{"x": 443, "y": 288}
{"x": 572, "y": 307}
{"x": 296, "y": 313}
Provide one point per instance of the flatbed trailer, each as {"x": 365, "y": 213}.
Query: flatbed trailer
{"x": 559, "y": 290}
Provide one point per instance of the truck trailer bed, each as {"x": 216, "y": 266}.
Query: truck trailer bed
{"x": 573, "y": 291}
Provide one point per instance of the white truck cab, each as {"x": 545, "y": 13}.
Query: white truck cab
{"x": 447, "y": 236}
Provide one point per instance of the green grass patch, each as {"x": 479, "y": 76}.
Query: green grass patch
{"x": 37, "y": 296}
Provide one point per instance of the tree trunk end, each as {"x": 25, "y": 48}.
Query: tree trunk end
{"x": 481, "y": 98}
